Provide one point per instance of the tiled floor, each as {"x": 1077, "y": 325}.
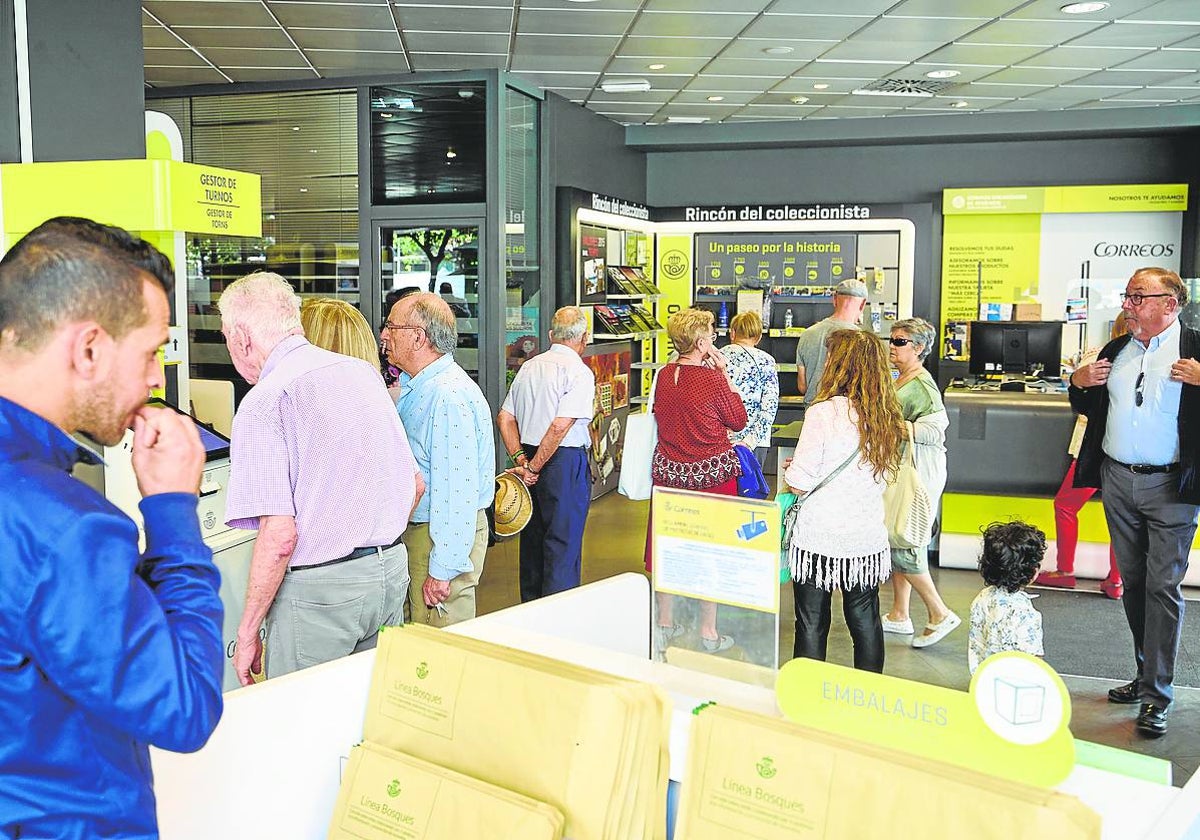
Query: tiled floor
{"x": 614, "y": 542}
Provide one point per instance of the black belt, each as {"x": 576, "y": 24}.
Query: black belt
{"x": 1147, "y": 469}
{"x": 353, "y": 555}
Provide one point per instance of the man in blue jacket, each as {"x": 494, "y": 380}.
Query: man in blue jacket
{"x": 103, "y": 650}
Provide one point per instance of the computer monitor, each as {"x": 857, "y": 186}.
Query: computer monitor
{"x": 1022, "y": 347}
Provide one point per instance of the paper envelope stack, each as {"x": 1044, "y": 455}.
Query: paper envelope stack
{"x": 590, "y": 744}
{"x": 760, "y": 778}
{"x": 387, "y": 795}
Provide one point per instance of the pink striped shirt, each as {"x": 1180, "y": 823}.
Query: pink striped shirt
{"x": 318, "y": 438}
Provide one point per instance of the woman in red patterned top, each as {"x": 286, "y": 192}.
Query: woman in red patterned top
{"x": 695, "y": 407}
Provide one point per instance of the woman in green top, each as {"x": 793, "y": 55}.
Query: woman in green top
{"x": 921, "y": 404}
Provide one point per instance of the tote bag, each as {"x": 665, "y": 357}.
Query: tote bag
{"x": 641, "y": 437}
{"x": 907, "y": 508}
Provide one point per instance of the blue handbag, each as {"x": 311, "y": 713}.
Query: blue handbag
{"x": 751, "y": 484}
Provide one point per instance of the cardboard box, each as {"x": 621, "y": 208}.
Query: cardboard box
{"x": 1027, "y": 312}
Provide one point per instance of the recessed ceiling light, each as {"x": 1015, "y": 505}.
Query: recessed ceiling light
{"x": 799, "y": 100}
{"x": 779, "y": 50}
{"x": 715, "y": 98}
{"x": 942, "y": 74}
{"x": 1082, "y": 8}
{"x": 820, "y": 86}
{"x": 295, "y": 128}
{"x": 959, "y": 104}
{"x": 625, "y": 85}
{"x": 691, "y": 120}
{"x": 304, "y": 189}
{"x": 656, "y": 67}
{"x": 386, "y": 115}
{"x": 451, "y": 154}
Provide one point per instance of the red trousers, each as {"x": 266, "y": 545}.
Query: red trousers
{"x": 1067, "y": 503}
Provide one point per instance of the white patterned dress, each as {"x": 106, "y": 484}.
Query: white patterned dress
{"x": 1000, "y": 621}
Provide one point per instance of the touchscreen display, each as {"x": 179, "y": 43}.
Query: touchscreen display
{"x": 215, "y": 444}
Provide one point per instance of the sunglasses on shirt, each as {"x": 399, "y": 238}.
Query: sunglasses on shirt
{"x": 1138, "y": 396}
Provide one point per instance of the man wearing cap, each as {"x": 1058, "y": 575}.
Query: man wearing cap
{"x": 544, "y": 426}
{"x": 449, "y": 425}
{"x": 1142, "y": 449}
{"x": 321, "y": 468}
{"x": 849, "y": 301}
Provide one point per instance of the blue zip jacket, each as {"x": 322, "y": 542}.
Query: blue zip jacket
{"x": 102, "y": 651}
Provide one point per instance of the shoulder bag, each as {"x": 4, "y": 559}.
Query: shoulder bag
{"x": 637, "y": 458}
{"x": 907, "y": 508}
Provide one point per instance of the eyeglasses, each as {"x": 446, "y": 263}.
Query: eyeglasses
{"x": 1138, "y": 396}
{"x": 388, "y": 325}
{"x": 1136, "y": 298}
{"x": 900, "y": 342}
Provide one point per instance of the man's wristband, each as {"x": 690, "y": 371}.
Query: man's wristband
{"x": 513, "y": 456}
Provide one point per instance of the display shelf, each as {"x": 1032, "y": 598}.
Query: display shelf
{"x": 632, "y": 297}
{"x": 639, "y": 400}
{"x": 786, "y": 332}
{"x": 716, "y": 298}
{"x": 637, "y": 336}
{"x": 801, "y": 298}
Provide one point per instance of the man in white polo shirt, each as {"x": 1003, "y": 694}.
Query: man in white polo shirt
{"x": 544, "y": 426}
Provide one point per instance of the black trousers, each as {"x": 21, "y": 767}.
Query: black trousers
{"x": 860, "y": 606}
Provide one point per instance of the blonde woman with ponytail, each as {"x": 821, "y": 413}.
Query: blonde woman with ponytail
{"x": 849, "y": 448}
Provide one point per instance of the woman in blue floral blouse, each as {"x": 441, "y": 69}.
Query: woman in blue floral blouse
{"x": 756, "y": 380}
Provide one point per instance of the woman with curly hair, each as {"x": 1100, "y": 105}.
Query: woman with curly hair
{"x": 1002, "y": 615}
{"x": 849, "y": 448}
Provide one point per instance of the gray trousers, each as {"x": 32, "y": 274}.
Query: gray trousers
{"x": 326, "y": 613}
{"x": 1151, "y": 533}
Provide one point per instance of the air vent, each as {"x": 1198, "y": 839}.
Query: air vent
{"x": 922, "y": 88}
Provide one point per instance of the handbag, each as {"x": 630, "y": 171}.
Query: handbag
{"x": 907, "y": 508}
{"x": 637, "y": 458}
{"x": 751, "y": 484}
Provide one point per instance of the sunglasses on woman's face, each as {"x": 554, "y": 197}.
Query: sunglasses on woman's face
{"x": 900, "y": 342}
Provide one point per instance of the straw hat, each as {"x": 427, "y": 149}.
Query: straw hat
{"x": 513, "y": 505}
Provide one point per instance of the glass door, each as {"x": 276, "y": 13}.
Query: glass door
{"x": 443, "y": 259}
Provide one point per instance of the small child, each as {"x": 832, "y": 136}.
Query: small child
{"x": 1002, "y": 615}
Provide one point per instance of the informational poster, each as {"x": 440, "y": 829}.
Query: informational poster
{"x": 610, "y": 410}
{"x": 768, "y": 260}
{"x": 593, "y": 250}
{"x": 723, "y": 552}
{"x": 1068, "y": 249}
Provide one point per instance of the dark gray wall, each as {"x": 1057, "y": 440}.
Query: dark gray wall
{"x": 86, "y": 79}
{"x": 10, "y": 138}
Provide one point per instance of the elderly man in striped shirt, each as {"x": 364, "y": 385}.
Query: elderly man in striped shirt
{"x": 321, "y": 467}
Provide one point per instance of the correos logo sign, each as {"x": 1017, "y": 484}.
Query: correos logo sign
{"x": 1134, "y": 249}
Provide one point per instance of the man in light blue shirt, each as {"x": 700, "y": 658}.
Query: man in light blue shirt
{"x": 449, "y": 427}
{"x": 1142, "y": 449}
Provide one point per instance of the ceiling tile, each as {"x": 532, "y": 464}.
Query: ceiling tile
{"x": 752, "y": 7}
{"x": 209, "y": 13}
{"x": 183, "y": 76}
{"x": 1148, "y": 95}
{"x": 179, "y": 56}
{"x": 820, "y": 27}
{"x": 457, "y": 61}
{"x": 1189, "y": 44}
{"x": 560, "y": 80}
{"x": 710, "y": 83}
{"x": 645, "y": 97}
{"x": 690, "y": 24}
{"x": 455, "y": 19}
{"x": 156, "y": 36}
{"x": 833, "y": 7}
{"x": 976, "y": 8}
{"x": 803, "y": 84}
{"x": 1125, "y": 78}
{"x": 348, "y": 39}
{"x": 342, "y": 63}
{"x": 1168, "y": 59}
{"x": 1106, "y": 104}
{"x": 966, "y": 73}
{"x": 919, "y": 30}
{"x": 569, "y": 46}
{"x": 854, "y": 69}
{"x": 1092, "y": 58}
{"x": 640, "y": 65}
{"x": 527, "y": 59}
{"x": 1170, "y": 10}
{"x": 1036, "y": 75}
{"x": 573, "y": 21}
{"x": 452, "y": 42}
{"x": 753, "y": 48}
{"x": 789, "y": 111}
{"x": 857, "y": 49}
{"x": 222, "y": 56}
{"x": 714, "y": 111}
{"x": 1066, "y": 96}
{"x": 610, "y": 5}
{"x": 1043, "y": 32}
{"x": 267, "y": 74}
{"x": 332, "y": 16}
{"x": 1185, "y": 81}
{"x": 874, "y": 110}
{"x": 1136, "y": 35}
{"x": 981, "y": 54}
{"x": 203, "y": 38}
{"x": 699, "y": 97}
{"x": 1049, "y": 9}
{"x": 784, "y": 100}
{"x": 667, "y": 47}
{"x": 754, "y": 67}
{"x": 991, "y": 90}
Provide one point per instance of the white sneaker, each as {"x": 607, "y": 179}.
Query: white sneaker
{"x": 937, "y": 632}
{"x": 904, "y": 628}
